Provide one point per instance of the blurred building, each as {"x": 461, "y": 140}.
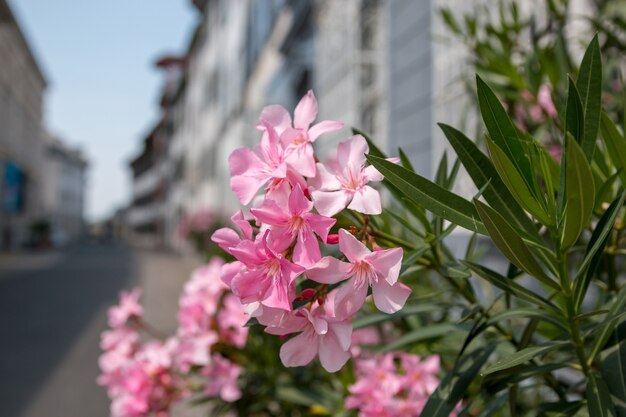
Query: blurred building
{"x": 22, "y": 85}
{"x": 64, "y": 182}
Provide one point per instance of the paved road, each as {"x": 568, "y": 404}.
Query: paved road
{"x": 52, "y": 309}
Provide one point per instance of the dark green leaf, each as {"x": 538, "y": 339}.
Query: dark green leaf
{"x": 524, "y": 313}
{"x": 574, "y": 113}
{"x": 589, "y": 83}
{"x": 608, "y": 326}
{"x": 523, "y": 356}
{"x": 579, "y": 194}
{"x": 595, "y": 249}
{"x": 511, "y": 244}
{"x": 605, "y": 193}
{"x": 408, "y": 310}
{"x": 498, "y": 381}
{"x": 455, "y": 384}
{"x": 404, "y": 159}
{"x": 615, "y": 144}
{"x": 510, "y": 286}
{"x": 483, "y": 173}
{"x": 432, "y": 197}
{"x": 425, "y": 333}
{"x": 560, "y": 409}
{"x": 614, "y": 369}
{"x": 598, "y": 398}
{"x": 502, "y": 130}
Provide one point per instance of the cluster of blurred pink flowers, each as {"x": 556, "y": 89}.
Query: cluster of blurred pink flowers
{"x": 279, "y": 262}
{"x": 536, "y": 109}
{"x": 393, "y": 385}
{"x": 196, "y": 222}
{"x": 144, "y": 377}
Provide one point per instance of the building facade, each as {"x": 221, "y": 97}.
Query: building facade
{"x": 22, "y": 85}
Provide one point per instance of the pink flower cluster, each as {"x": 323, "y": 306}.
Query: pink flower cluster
{"x": 538, "y": 108}
{"x": 196, "y": 222}
{"x": 144, "y": 378}
{"x": 140, "y": 378}
{"x": 282, "y": 254}
{"x": 393, "y": 385}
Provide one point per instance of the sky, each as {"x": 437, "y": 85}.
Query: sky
{"x": 98, "y": 58}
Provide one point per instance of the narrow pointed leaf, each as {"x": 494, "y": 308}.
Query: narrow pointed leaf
{"x": 516, "y": 184}
{"x": 608, "y": 326}
{"x": 510, "y": 286}
{"x": 502, "y": 130}
{"x": 404, "y": 159}
{"x": 482, "y": 172}
{"x": 574, "y": 113}
{"x": 511, "y": 244}
{"x": 614, "y": 369}
{"x": 420, "y": 334}
{"x": 595, "y": 249}
{"x": 524, "y": 313}
{"x": 429, "y": 195}
{"x": 615, "y": 144}
{"x": 523, "y": 356}
{"x": 598, "y": 398}
{"x": 579, "y": 194}
{"x": 589, "y": 83}
{"x": 408, "y": 310}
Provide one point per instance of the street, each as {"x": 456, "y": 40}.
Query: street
{"x": 52, "y": 310}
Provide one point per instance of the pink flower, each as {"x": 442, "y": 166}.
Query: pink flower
{"x": 362, "y": 337}
{"x": 297, "y": 222}
{"x": 227, "y": 238}
{"x": 251, "y": 169}
{"x": 544, "y": 99}
{"x": 420, "y": 375}
{"x": 231, "y": 321}
{"x": 322, "y": 333}
{"x": 378, "y": 269}
{"x": 343, "y": 182}
{"x": 128, "y": 308}
{"x": 298, "y": 139}
{"x": 221, "y": 376}
{"x": 268, "y": 277}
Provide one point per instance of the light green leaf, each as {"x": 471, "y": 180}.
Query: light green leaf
{"x": 516, "y": 184}
{"x": 511, "y": 244}
{"x": 598, "y": 398}
{"x": 523, "y": 356}
{"x": 510, "y": 286}
{"x": 579, "y": 194}
{"x": 432, "y": 197}
{"x": 615, "y": 144}
{"x": 589, "y": 83}
{"x": 483, "y": 173}
{"x": 424, "y": 333}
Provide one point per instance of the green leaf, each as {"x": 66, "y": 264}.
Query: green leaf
{"x": 525, "y": 313}
{"x": 579, "y": 194}
{"x": 408, "y": 310}
{"x": 455, "y": 384}
{"x": 502, "y": 131}
{"x": 510, "y": 286}
{"x": 483, "y": 173}
{"x": 614, "y": 369}
{"x": 511, "y": 244}
{"x": 498, "y": 381}
{"x": 406, "y": 162}
{"x": 605, "y": 192}
{"x": 516, "y": 184}
{"x": 523, "y": 356}
{"x": 373, "y": 149}
{"x": 589, "y": 83}
{"x": 595, "y": 249}
{"x": 574, "y": 113}
{"x": 560, "y": 409}
{"x": 598, "y": 398}
{"x": 615, "y": 144}
{"x": 607, "y": 327}
{"x": 424, "y": 333}
{"x": 432, "y": 197}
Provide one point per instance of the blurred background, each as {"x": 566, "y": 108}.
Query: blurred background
{"x": 117, "y": 119}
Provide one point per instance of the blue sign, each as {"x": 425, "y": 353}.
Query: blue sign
{"x": 13, "y": 192}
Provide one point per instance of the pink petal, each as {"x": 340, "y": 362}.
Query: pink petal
{"x": 298, "y": 203}
{"x": 366, "y": 201}
{"x": 248, "y": 284}
{"x": 352, "y": 152}
{"x": 319, "y": 324}
{"x": 239, "y": 220}
{"x": 229, "y": 271}
{"x": 244, "y": 161}
{"x": 246, "y": 187}
{"x": 352, "y": 247}
{"x": 350, "y": 298}
{"x": 302, "y": 159}
{"x": 389, "y": 298}
{"x": 225, "y": 238}
{"x": 329, "y": 203}
{"x": 299, "y": 350}
{"x": 431, "y": 364}
{"x": 307, "y": 249}
{"x": 322, "y": 127}
{"x": 324, "y": 179}
{"x": 270, "y": 144}
{"x": 343, "y": 332}
{"x": 332, "y": 356}
{"x": 247, "y": 252}
{"x": 306, "y": 111}
{"x": 271, "y": 214}
{"x": 276, "y": 116}
{"x": 328, "y": 270}
{"x": 372, "y": 174}
{"x": 320, "y": 224}
{"x": 277, "y": 295}
{"x": 387, "y": 263}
